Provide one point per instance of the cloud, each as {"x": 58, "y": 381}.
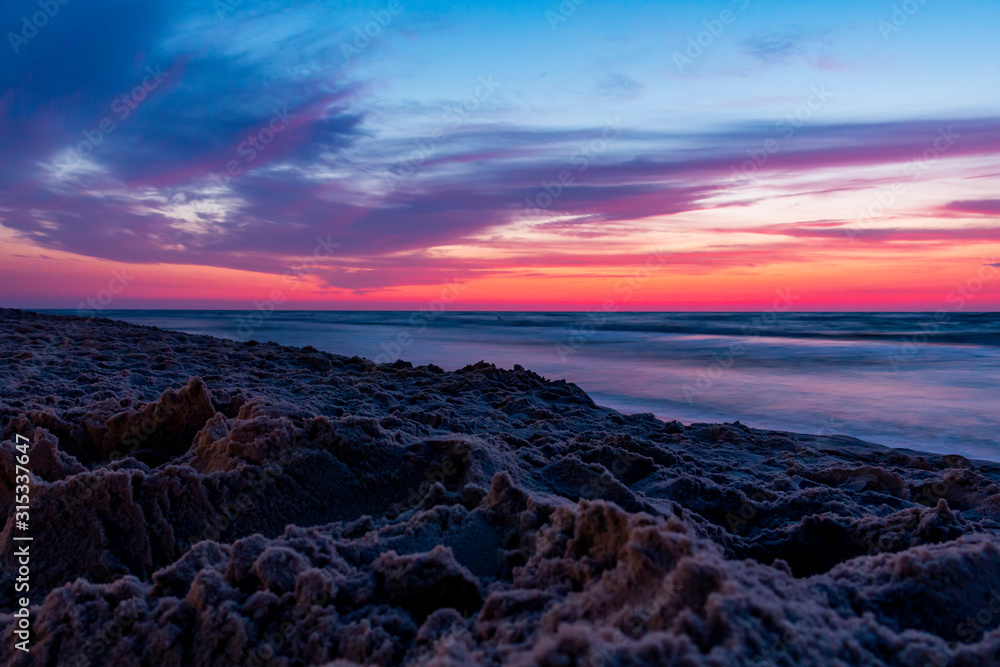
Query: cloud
{"x": 774, "y": 48}
{"x": 781, "y": 47}
{"x": 845, "y": 230}
{"x": 482, "y": 179}
{"x": 207, "y": 100}
{"x": 619, "y": 86}
{"x": 144, "y": 191}
{"x": 975, "y": 207}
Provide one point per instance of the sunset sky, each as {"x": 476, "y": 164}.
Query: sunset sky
{"x": 533, "y": 155}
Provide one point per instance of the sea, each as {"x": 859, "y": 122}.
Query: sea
{"x": 923, "y": 381}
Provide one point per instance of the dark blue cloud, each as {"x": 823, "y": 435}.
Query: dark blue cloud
{"x": 90, "y": 68}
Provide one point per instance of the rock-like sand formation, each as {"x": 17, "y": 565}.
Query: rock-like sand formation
{"x": 196, "y": 501}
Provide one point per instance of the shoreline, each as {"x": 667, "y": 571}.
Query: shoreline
{"x": 481, "y": 514}
{"x": 934, "y": 402}
{"x": 905, "y": 450}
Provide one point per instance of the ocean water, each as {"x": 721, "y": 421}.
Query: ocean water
{"x": 925, "y": 381}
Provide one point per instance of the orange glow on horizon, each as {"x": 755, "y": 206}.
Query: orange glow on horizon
{"x": 881, "y": 281}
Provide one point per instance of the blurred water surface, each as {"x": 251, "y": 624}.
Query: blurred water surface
{"x": 918, "y": 380}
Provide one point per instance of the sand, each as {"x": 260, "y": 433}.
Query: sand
{"x": 197, "y": 501}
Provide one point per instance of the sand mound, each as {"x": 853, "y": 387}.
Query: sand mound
{"x": 197, "y": 501}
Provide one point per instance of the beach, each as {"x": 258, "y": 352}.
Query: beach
{"x": 202, "y": 501}
{"x": 913, "y": 380}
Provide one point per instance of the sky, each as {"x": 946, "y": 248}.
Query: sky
{"x": 574, "y": 155}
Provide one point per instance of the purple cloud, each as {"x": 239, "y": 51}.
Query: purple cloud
{"x": 975, "y": 207}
